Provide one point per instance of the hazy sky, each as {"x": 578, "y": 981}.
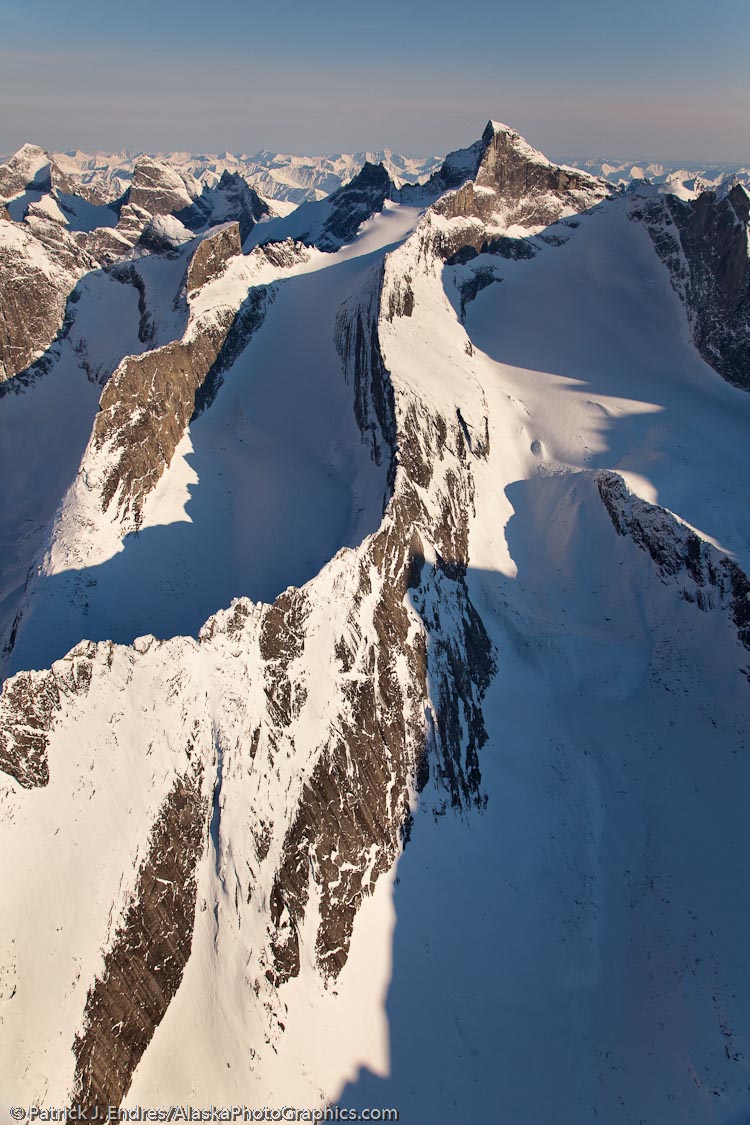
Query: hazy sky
{"x": 653, "y": 78}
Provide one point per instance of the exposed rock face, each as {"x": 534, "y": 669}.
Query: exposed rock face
{"x": 514, "y": 185}
{"x": 245, "y": 324}
{"x": 109, "y": 244}
{"x": 705, "y": 244}
{"x": 458, "y": 166}
{"x": 39, "y": 266}
{"x": 359, "y": 348}
{"x": 145, "y": 408}
{"x": 159, "y": 191}
{"x": 330, "y": 223}
{"x": 52, "y": 243}
{"x": 410, "y": 662}
{"x": 158, "y": 188}
{"x": 30, "y": 704}
{"x": 144, "y": 967}
{"x": 318, "y": 721}
{"x": 163, "y": 208}
{"x": 707, "y": 578}
{"x": 356, "y": 803}
{"x": 27, "y": 711}
{"x": 212, "y": 254}
{"x": 512, "y": 168}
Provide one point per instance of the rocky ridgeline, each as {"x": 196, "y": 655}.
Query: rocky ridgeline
{"x": 409, "y": 657}
{"x": 404, "y": 640}
{"x": 146, "y": 963}
{"x": 33, "y": 169}
{"x": 353, "y": 204}
{"x": 275, "y": 176}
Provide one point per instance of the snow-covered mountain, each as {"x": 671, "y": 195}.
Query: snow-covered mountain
{"x": 375, "y": 624}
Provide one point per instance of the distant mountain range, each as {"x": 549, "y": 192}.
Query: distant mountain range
{"x": 292, "y": 179}
{"x": 297, "y": 179}
{"x": 686, "y": 180}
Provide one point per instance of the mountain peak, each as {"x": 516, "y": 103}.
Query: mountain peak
{"x": 510, "y": 138}
{"x": 29, "y": 167}
{"x": 28, "y": 148}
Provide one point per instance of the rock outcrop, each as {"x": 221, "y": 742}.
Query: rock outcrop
{"x": 705, "y": 245}
{"x": 707, "y": 578}
{"x": 150, "y": 398}
{"x": 159, "y": 189}
{"x": 212, "y": 255}
{"x": 144, "y": 967}
{"x": 327, "y": 806}
{"x": 32, "y": 169}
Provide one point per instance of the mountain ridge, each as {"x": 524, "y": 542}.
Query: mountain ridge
{"x": 509, "y": 662}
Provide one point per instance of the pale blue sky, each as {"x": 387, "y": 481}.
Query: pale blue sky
{"x": 663, "y": 78}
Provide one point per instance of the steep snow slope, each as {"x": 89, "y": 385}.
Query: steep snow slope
{"x": 575, "y": 952}
{"x": 264, "y": 488}
{"x": 530, "y": 676}
{"x": 46, "y": 423}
